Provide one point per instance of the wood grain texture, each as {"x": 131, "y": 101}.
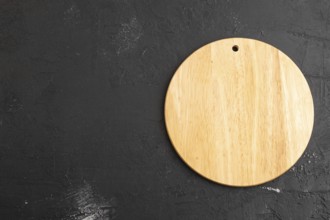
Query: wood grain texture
{"x": 239, "y": 118}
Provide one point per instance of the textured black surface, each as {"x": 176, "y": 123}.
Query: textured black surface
{"x": 82, "y": 86}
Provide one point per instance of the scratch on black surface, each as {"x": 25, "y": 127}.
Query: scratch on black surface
{"x": 90, "y": 206}
{"x": 308, "y": 36}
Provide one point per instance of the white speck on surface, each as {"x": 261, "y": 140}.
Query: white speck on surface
{"x": 128, "y": 35}
{"x": 271, "y": 189}
{"x": 72, "y": 15}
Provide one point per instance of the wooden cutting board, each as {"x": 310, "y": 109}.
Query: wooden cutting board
{"x": 239, "y": 112}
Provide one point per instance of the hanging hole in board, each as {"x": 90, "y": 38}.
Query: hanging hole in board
{"x": 235, "y": 48}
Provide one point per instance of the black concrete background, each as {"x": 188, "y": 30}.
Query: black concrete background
{"x": 82, "y": 86}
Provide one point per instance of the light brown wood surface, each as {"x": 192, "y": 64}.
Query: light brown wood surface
{"x": 239, "y": 118}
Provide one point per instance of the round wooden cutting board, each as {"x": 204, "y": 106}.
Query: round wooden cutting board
{"x": 239, "y": 112}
